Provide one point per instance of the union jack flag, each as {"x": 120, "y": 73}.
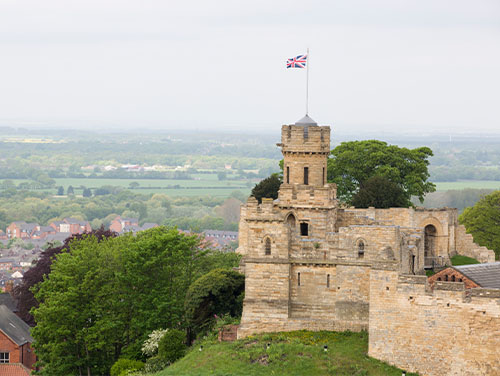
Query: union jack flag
{"x": 297, "y": 62}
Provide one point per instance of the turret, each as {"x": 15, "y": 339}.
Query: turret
{"x": 305, "y": 147}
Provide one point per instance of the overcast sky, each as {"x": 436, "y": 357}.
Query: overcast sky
{"x": 374, "y": 64}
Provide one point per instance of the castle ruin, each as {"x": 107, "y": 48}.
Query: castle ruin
{"x": 311, "y": 264}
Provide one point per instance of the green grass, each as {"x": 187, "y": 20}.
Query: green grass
{"x": 463, "y": 184}
{"x": 293, "y": 353}
{"x": 463, "y": 260}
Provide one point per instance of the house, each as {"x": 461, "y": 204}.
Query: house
{"x": 15, "y": 344}
{"x": 7, "y": 300}
{"x": 118, "y": 224}
{"x": 485, "y": 275}
{"x": 71, "y": 225}
{"x": 220, "y": 239}
{"x": 6, "y": 263}
{"x": 21, "y": 230}
{"x": 136, "y": 228}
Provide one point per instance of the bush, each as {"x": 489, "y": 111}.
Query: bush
{"x": 122, "y": 366}
{"x": 218, "y": 292}
{"x": 155, "y": 364}
{"x": 172, "y": 346}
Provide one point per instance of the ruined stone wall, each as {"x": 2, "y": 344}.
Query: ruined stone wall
{"x": 467, "y": 247}
{"x": 445, "y": 331}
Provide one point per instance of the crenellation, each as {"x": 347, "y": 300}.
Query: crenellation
{"x": 310, "y": 264}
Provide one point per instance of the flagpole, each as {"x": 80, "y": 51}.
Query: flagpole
{"x": 307, "y": 83}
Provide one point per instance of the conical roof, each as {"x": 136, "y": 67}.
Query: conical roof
{"x": 306, "y": 120}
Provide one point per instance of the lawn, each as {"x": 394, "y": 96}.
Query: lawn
{"x": 463, "y": 260}
{"x": 293, "y": 353}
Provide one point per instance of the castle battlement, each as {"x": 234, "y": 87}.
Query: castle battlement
{"x": 310, "y": 264}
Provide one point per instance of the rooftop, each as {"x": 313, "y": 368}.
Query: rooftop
{"x": 13, "y": 327}
{"x": 485, "y": 275}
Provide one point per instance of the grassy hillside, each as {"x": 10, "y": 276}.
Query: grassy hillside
{"x": 294, "y": 353}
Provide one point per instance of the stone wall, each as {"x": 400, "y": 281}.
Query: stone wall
{"x": 467, "y": 247}
{"x": 445, "y": 331}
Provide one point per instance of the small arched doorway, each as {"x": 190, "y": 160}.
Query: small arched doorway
{"x": 430, "y": 241}
{"x": 290, "y": 221}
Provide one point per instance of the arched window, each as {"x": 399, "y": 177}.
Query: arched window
{"x": 361, "y": 249}
{"x": 439, "y": 278}
{"x": 446, "y": 278}
{"x": 453, "y": 278}
{"x": 268, "y": 246}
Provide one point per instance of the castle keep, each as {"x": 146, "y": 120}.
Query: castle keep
{"x": 310, "y": 264}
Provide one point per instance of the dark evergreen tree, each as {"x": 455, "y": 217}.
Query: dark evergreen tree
{"x": 381, "y": 193}
{"x": 60, "y": 191}
{"x": 267, "y": 188}
{"x": 70, "y": 190}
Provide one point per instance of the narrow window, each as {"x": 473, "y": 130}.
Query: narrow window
{"x": 298, "y": 279}
{"x": 4, "y": 357}
{"x": 268, "y": 246}
{"x": 323, "y": 176}
{"x": 361, "y": 249}
{"x": 453, "y": 278}
{"x": 306, "y": 133}
{"x": 439, "y": 278}
{"x": 304, "y": 229}
{"x": 446, "y": 278}
{"x": 287, "y": 175}
{"x": 328, "y": 281}
{"x": 289, "y": 133}
{"x": 460, "y": 280}
{"x": 306, "y": 175}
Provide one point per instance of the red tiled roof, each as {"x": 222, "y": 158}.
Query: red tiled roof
{"x": 14, "y": 369}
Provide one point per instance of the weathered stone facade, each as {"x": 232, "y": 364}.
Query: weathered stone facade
{"x": 309, "y": 264}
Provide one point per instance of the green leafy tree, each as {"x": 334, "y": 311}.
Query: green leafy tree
{"x": 482, "y": 222}
{"x": 70, "y": 190}
{"x": 87, "y": 192}
{"x": 60, "y": 191}
{"x": 267, "y": 188}
{"x": 218, "y": 292}
{"x": 101, "y": 299}
{"x": 172, "y": 345}
{"x": 354, "y": 162}
{"x": 380, "y": 193}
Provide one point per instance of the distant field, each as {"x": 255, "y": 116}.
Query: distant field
{"x": 476, "y": 184}
{"x": 201, "y": 185}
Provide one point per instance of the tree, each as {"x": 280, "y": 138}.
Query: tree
{"x": 218, "y": 292}
{"x": 23, "y": 294}
{"x": 267, "y": 188}
{"x": 102, "y": 298}
{"x": 222, "y": 175}
{"x": 172, "y": 345}
{"x": 482, "y": 222}
{"x": 60, "y": 191}
{"x": 354, "y": 162}
{"x": 380, "y": 193}
{"x": 134, "y": 185}
{"x": 87, "y": 192}
{"x": 229, "y": 210}
{"x": 70, "y": 190}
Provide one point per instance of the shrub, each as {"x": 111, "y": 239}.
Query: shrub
{"x": 155, "y": 364}
{"x": 172, "y": 346}
{"x": 150, "y": 346}
{"x": 122, "y": 366}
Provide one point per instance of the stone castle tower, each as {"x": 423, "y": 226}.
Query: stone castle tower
{"x": 307, "y": 262}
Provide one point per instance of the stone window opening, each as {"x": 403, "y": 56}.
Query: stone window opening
{"x": 324, "y": 180}
{"x": 306, "y": 133}
{"x": 268, "y": 246}
{"x": 453, "y": 278}
{"x": 306, "y": 175}
{"x": 439, "y": 278}
{"x": 446, "y": 278}
{"x": 4, "y": 357}
{"x": 304, "y": 229}
{"x": 287, "y": 174}
{"x": 298, "y": 279}
{"x": 460, "y": 280}
{"x": 328, "y": 281}
{"x": 361, "y": 249}
{"x": 290, "y": 220}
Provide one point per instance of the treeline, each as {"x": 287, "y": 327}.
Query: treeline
{"x": 460, "y": 172}
{"x": 453, "y": 198}
{"x": 187, "y": 213}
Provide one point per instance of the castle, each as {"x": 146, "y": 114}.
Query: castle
{"x": 311, "y": 264}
